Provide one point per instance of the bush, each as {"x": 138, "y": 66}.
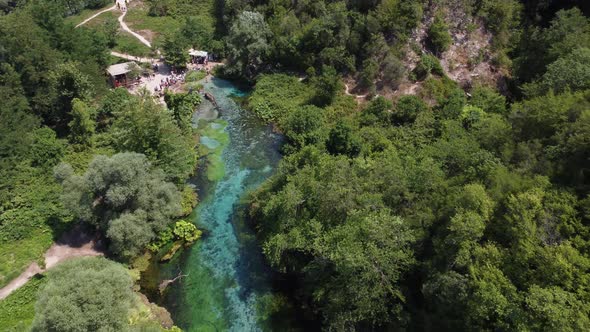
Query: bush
{"x": 195, "y": 76}
{"x": 428, "y": 64}
{"x": 186, "y": 231}
{"x": 393, "y": 70}
{"x": 488, "y": 100}
{"x": 407, "y": 109}
{"x": 85, "y": 294}
{"x": 438, "y": 35}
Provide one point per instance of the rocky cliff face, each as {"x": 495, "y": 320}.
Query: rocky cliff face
{"x": 470, "y": 58}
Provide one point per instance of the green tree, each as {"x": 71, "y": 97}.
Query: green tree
{"x": 553, "y": 309}
{"x": 393, "y": 70}
{"x": 81, "y": 126}
{"x": 428, "y": 64}
{"x": 123, "y": 196}
{"x": 303, "y": 125}
{"x": 144, "y": 127}
{"x": 488, "y": 100}
{"x": 46, "y": 150}
{"x": 343, "y": 140}
{"x": 378, "y": 111}
{"x": 407, "y": 109}
{"x": 175, "y": 49}
{"x": 85, "y": 294}
{"x": 438, "y": 35}
{"x": 327, "y": 86}
{"x": 67, "y": 83}
{"x": 183, "y": 106}
{"x": 248, "y": 44}
{"x": 571, "y": 72}
{"x": 198, "y": 32}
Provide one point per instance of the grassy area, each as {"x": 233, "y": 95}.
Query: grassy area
{"x": 127, "y": 43}
{"x": 16, "y": 256}
{"x": 101, "y": 19}
{"x": 84, "y": 14}
{"x": 18, "y": 310}
{"x": 35, "y": 217}
{"x": 137, "y": 19}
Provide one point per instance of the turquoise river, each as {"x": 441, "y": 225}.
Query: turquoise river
{"x": 227, "y": 282}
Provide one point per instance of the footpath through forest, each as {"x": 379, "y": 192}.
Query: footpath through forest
{"x": 121, "y": 4}
{"x": 75, "y": 243}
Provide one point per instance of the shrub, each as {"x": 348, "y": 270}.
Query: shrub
{"x": 85, "y": 294}
{"x": 438, "y": 35}
{"x": 428, "y": 64}
{"x": 186, "y": 231}
{"x": 407, "y": 108}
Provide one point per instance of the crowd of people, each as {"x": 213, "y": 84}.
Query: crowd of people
{"x": 169, "y": 81}
{"x": 122, "y": 4}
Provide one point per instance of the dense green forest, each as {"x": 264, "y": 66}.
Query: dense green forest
{"x": 434, "y": 200}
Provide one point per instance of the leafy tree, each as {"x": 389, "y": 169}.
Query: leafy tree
{"x": 488, "y": 100}
{"x": 368, "y": 271}
{"x": 393, "y": 70}
{"x": 85, "y": 294}
{"x": 175, "y": 49}
{"x": 248, "y": 44}
{"x": 428, "y": 64}
{"x": 568, "y": 73}
{"x": 369, "y": 74}
{"x": 327, "y": 85}
{"x": 378, "y": 111}
{"x": 553, "y": 309}
{"x": 67, "y": 83}
{"x": 182, "y": 106}
{"x": 501, "y": 17}
{"x": 46, "y": 150}
{"x": 144, "y": 127}
{"x": 16, "y": 122}
{"x": 438, "y": 35}
{"x": 81, "y": 126}
{"x": 302, "y": 126}
{"x": 342, "y": 140}
{"x": 452, "y": 105}
{"x": 123, "y": 196}
{"x": 407, "y": 109}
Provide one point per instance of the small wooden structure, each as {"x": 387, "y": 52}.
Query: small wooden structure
{"x": 198, "y": 57}
{"x": 118, "y": 74}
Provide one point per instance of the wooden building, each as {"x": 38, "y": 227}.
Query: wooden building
{"x": 198, "y": 57}
{"x": 119, "y": 74}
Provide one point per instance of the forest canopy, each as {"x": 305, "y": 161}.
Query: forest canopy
{"x": 434, "y": 172}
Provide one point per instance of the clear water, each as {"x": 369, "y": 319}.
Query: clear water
{"x": 209, "y": 142}
{"x": 226, "y": 273}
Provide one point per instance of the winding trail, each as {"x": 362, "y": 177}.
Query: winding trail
{"x": 135, "y": 34}
{"x": 125, "y": 28}
{"x": 75, "y": 243}
{"x": 95, "y": 15}
{"x": 347, "y": 92}
{"x": 133, "y": 57}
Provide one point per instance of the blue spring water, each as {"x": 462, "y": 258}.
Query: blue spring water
{"x": 226, "y": 273}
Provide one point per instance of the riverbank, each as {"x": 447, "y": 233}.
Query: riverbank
{"x": 74, "y": 243}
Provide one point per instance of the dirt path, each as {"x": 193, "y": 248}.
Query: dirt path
{"x": 133, "y": 57}
{"x": 121, "y": 22}
{"x": 95, "y": 15}
{"x": 136, "y": 35}
{"x": 347, "y": 92}
{"x": 75, "y": 243}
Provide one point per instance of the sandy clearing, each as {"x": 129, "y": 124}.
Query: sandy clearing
{"x": 74, "y": 243}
